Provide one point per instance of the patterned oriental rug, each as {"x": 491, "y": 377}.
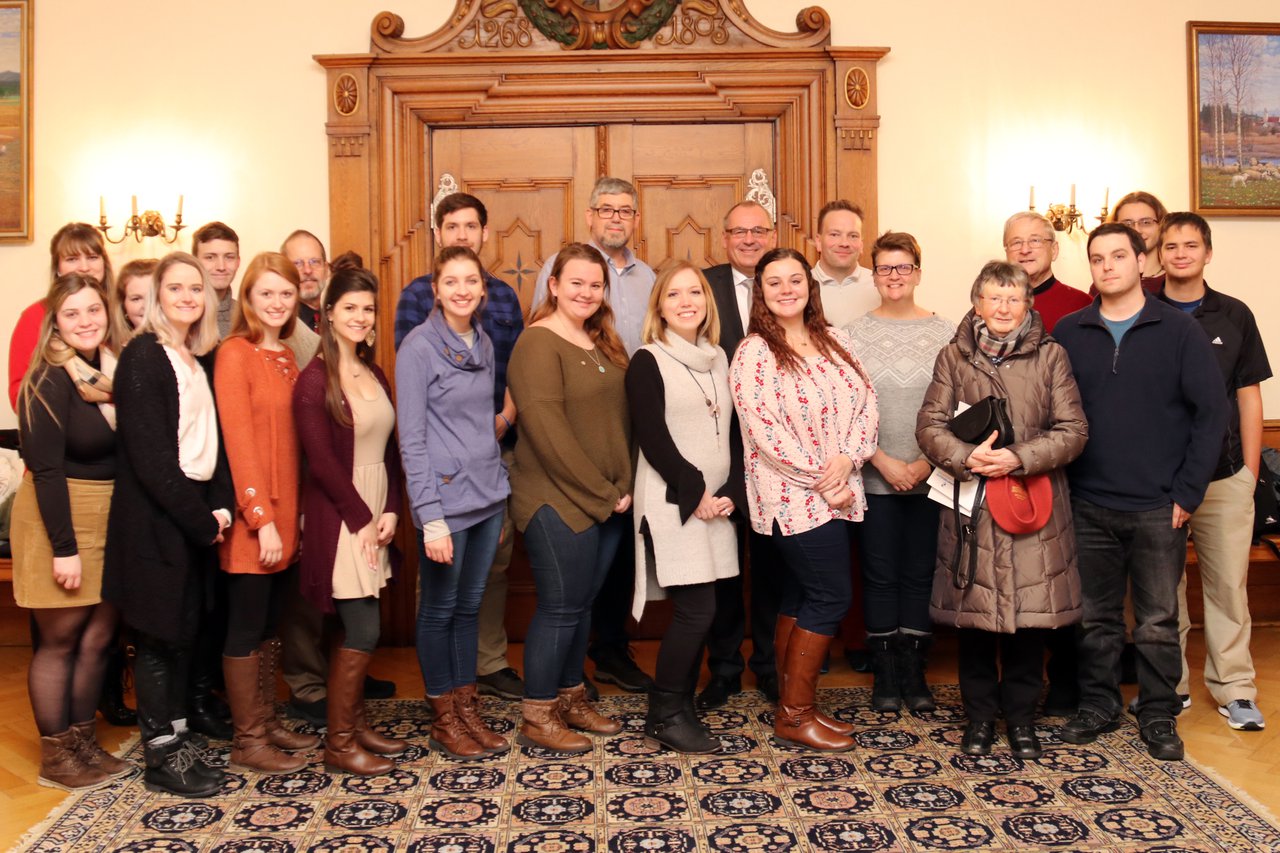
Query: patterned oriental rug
{"x": 905, "y": 787}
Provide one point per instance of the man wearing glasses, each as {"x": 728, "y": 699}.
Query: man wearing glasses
{"x": 847, "y": 289}
{"x": 305, "y": 251}
{"x": 748, "y": 234}
{"x": 1138, "y": 362}
{"x": 611, "y": 219}
{"x": 1029, "y": 242}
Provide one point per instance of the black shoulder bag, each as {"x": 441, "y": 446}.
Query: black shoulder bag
{"x": 973, "y": 426}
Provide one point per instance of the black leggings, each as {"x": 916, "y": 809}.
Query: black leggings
{"x": 362, "y": 621}
{"x": 68, "y": 662}
{"x": 680, "y": 654}
{"x": 253, "y": 610}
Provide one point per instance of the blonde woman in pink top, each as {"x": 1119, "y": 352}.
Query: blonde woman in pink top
{"x": 808, "y": 416}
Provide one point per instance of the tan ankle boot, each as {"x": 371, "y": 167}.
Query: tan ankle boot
{"x": 795, "y": 721}
{"x": 92, "y": 754}
{"x": 449, "y": 734}
{"x": 578, "y": 712}
{"x": 280, "y": 736}
{"x": 781, "y": 637}
{"x": 543, "y": 727}
{"x": 466, "y": 704}
{"x": 250, "y": 749}
{"x": 61, "y": 766}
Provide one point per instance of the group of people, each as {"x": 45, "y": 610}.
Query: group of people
{"x": 651, "y": 435}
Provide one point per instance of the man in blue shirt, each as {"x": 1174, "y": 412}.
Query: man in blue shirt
{"x": 1140, "y": 363}
{"x": 462, "y": 220}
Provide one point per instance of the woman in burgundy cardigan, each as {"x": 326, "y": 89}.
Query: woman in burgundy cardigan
{"x": 351, "y": 500}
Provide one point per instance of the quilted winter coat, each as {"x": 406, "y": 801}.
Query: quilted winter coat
{"x": 1028, "y": 580}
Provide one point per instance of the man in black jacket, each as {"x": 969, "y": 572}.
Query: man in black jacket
{"x": 1157, "y": 413}
{"x": 748, "y": 234}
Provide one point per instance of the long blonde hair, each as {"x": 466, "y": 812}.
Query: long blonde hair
{"x": 203, "y": 334}
{"x": 48, "y": 355}
{"x": 655, "y": 328}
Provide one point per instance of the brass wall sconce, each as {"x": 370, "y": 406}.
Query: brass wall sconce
{"x": 1067, "y": 217}
{"x": 149, "y": 224}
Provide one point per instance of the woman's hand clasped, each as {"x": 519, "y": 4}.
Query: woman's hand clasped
{"x": 66, "y": 571}
{"x": 623, "y": 504}
{"x": 712, "y": 507}
{"x": 992, "y": 463}
{"x": 270, "y": 547}
{"x": 386, "y": 528}
{"x": 439, "y": 550}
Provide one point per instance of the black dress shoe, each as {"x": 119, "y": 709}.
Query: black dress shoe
{"x": 978, "y": 737}
{"x": 376, "y": 688}
{"x": 718, "y": 691}
{"x": 768, "y": 684}
{"x": 209, "y": 725}
{"x": 504, "y": 683}
{"x": 1085, "y": 726}
{"x": 1023, "y": 742}
{"x": 1161, "y": 738}
{"x": 615, "y": 666}
{"x": 315, "y": 713}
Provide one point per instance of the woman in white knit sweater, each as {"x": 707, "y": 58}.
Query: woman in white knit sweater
{"x": 687, "y": 483}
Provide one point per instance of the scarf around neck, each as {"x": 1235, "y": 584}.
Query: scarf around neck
{"x": 94, "y": 384}
{"x": 998, "y": 349}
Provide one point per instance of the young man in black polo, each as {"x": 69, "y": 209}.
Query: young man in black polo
{"x": 1222, "y": 526}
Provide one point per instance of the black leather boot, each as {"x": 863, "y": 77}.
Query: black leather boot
{"x": 910, "y": 653}
{"x": 885, "y": 695}
{"x": 111, "y": 700}
{"x": 204, "y": 709}
{"x": 671, "y": 723}
{"x": 178, "y": 768}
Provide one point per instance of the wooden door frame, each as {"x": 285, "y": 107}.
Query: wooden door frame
{"x": 712, "y": 62}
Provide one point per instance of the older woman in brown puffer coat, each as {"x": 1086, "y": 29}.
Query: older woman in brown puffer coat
{"x": 1024, "y": 584}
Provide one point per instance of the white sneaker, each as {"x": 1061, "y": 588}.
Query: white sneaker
{"x": 1243, "y": 715}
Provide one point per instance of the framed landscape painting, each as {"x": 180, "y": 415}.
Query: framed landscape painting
{"x": 15, "y": 120}
{"x": 1233, "y": 72}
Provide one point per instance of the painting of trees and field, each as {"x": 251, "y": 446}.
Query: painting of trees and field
{"x": 14, "y": 120}
{"x": 1238, "y": 120}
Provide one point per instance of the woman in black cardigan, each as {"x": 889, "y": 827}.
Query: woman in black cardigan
{"x": 170, "y": 506}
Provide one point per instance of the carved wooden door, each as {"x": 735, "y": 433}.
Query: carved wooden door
{"x": 536, "y": 184}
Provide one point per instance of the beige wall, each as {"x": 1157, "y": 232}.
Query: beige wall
{"x": 977, "y": 104}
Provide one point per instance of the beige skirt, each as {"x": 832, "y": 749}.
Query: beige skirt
{"x": 352, "y": 577}
{"x": 33, "y": 583}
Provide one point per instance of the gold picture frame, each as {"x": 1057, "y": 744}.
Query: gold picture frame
{"x": 1233, "y": 79}
{"x": 16, "y": 195}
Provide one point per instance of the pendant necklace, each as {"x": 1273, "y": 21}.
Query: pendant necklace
{"x": 591, "y": 354}
{"x": 713, "y": 408}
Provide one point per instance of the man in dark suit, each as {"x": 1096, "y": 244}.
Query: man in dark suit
{"x": 748, "y": 234}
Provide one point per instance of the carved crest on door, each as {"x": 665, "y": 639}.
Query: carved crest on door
{"x": 557, "y": 25}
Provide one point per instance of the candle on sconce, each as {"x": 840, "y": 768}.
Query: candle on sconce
{"x": 1073, "y": 195}
{"x": 102, "y": 208}
{"x": 179, "y": 205}
{"x": 1106, "y": 198}
{"x": 1033, "y": 197}
{"x": 135, "y": 205}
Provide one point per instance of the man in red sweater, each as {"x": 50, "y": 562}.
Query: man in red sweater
{"x": 1030, "y": 242}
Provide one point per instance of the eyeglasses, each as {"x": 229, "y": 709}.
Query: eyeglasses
{"x": 1030, "y": 243}
{"x": 1014, "y": 302}
{"x": 303, "y": 263}
{"x": 900, "y": 269}
{"x": 757, "y": 232}
{"x": 607, "y": 212}
{"x": 1144, "y": 222}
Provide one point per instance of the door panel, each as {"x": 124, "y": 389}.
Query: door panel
{"x": 535, "y": 183}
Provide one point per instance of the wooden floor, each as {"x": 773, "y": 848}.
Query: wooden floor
{"x": 1250, "y": 761}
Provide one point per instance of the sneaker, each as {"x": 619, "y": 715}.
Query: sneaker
{"x": 1184, "y": 698}
{"x": 1161, "y": 738}
{"x": 1085, "y": 725}
{"x": 615, "y": 666}
{"x": 1242, "y": 714}
{"x": 505, "y": 683}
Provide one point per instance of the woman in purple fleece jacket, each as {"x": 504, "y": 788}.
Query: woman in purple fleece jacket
{"x": 457, "y": 493}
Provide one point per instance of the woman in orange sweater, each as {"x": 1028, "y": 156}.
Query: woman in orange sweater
{"x": 254, "y": 380}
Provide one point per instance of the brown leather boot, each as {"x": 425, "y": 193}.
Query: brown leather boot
{"x": 578, "y": 712}
{"x": 448, "y": 732}
{"x": 250, "y": 749}
{"x": 343, "y": 751}
{"x": 371, "y": 740}
{"x": 781, "y": 636}
{"x": 280, "y": 736}
{"x": 61, "y": 766}
{"x": 92, "y": 754}
{"x": 795, "y": 721}
{"x": 543, "y": 727}
{"x": 466, "y": 704}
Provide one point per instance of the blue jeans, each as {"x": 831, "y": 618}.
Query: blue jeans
{"x": 568, "y": 571}
{"x": 449, "y": 597}
{"x": 1143, "y": 553}
{"x": 899, "y": 547}
{"x": 818, "y": 588}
